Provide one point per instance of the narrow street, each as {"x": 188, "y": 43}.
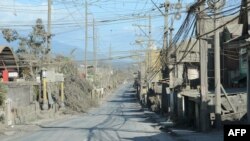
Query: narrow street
{"x": 124, "y": 70}
{"x": 119, "y": 118}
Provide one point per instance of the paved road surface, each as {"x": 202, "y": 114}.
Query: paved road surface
{"x": 119, "y": 118}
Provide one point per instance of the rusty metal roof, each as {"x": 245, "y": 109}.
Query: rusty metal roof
{"x": 7, "y": 59}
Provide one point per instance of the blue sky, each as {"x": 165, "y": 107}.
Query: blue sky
{"x": 68, "y": 23}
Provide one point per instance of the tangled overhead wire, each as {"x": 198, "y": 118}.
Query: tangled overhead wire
{"x": 188, "y": 28}
{"x": 216, "y": 4}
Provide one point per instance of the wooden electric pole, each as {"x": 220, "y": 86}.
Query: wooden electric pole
{"x": 110, "y": 57}
{"x": 248, "y": 87}
{"x": 86, "y": 39}
{"x": 149, "y": 43}
{"x": 46, "y": 53}
{"x": 110, "y": 63}
{"x": 94, "y": 47}
{"x": 165, "y": 41}
{"x": 171, "y": 29}
{"x": 165, "y": 73}
{"x": 49, "y": 30}
{"x": 203, "y": 70}
{"x": 217, "y": 78}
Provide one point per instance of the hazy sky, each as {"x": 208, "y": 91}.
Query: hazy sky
{"x": 115, "y": 22}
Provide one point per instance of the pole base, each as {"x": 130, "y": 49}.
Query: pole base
{"x": 62, "y": 105}
{"x": 45, "y": 106}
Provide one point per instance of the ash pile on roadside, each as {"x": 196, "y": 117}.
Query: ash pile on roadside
{"x": 77, "y": 89}
{"x": 78, "y": 94}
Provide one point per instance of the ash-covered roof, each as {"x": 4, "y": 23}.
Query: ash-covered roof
{"x": 7, "y": 59}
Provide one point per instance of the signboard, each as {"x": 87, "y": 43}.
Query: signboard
{"x": 13, "y": 74}
{"x": 193, "y": 74}
{"x": 54, "y": 77}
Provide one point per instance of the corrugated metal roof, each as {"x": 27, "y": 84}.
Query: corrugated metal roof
{"x": 7, "y": 58}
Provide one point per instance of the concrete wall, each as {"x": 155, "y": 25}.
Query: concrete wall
{"x": 20, "y": 103}
{"x": 21, "y": 95}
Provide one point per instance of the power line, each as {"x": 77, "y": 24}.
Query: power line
{"x": 158, "y": 8}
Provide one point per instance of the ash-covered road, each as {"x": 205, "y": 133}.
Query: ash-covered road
{"x": 119, "y": 118}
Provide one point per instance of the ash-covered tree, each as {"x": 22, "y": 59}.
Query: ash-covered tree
{"x": 10, "y": 35}
{"x": 34, "y": 43}
{"x": 37, "y": 39}
{"x": 32, "y": 49}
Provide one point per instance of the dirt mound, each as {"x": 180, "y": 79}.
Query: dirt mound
{"x": 77, "y": 88}
{"x": 78, "y": 94}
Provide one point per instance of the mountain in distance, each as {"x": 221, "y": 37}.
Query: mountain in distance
{"x": 66, "y": 50}
{"x": 77, "y": 53}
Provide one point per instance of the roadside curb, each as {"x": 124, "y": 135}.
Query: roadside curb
{"x": 181, "y": 134}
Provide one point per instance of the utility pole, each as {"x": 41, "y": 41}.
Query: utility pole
{"x": 48, "y": 41}
{"x": 86, "y": 38}
{"x": 146, "y": 67}
{"x": 172, "y": 73}
{"x": 248, "y": 72}
{"x": 149, "y": 43}
{"x": 110, "y": 56}
{"x": 246, "y": 4}
{"x": 49, "y": 30}
{"x": 164, "y": 101}
{"x": 248, "y": 87}
{"x": 171, "y": 29}
{"x": 94, "y": 47}
{"x": 165, "y": 41}
{"x": 217, "y": 78}
{"x": 203, "y": 71}
{"x": 110, "y": 61}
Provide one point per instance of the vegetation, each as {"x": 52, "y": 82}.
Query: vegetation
{"x": 77, "y": 88}
{"x": 32, "y": 53}
{"x": 32, "y": 50}
{"x": 3, "y": 92}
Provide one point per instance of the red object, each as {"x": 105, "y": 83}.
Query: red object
{"x": 5, "y": 76}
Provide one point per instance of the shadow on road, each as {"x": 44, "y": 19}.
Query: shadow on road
{"x": 157, "y": 137}
{"x": 123, "y": 114}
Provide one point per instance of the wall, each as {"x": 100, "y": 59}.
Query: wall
{"x": 21, "y": 106}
